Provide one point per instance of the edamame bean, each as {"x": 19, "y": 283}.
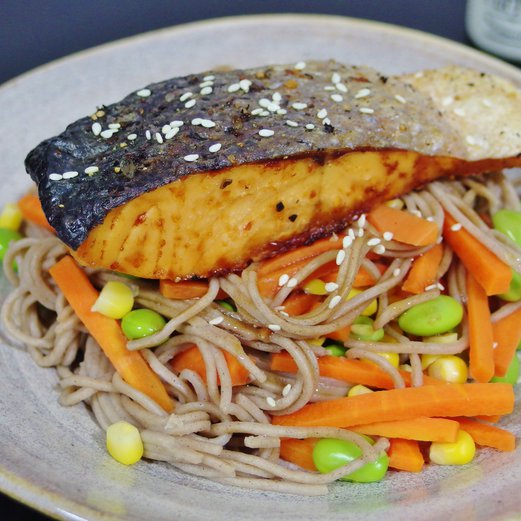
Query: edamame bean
{"x": 512, "y": 373}
{"x": 514, "y": 291}
{"x": 336, "y": 349}
{"x": 6, "y": 237}
{"x": 330, "y": 453}
{"x": 363, "y": 329}
{"x": 142, "y": 322}
{"x": 509, "y": 223}
{"x": 226, "y": 305}
{"x": 432, "y": 318}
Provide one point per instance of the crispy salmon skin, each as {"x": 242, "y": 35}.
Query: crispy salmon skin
{"x": 199, "y": 175}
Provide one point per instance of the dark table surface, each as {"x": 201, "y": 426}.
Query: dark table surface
{"x": 34, "y": 32}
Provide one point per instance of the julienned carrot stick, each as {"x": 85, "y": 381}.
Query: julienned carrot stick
{"x": 491, "y": 272}
{"x": 493, "y": 418}
{"x": 400, "y": 404}
{"x": 300, "y": 303}
{"x": 404, "y": 226}
{"x": 488, "y": 435}
{"x": 132, "y": 367}
{"x": 423, "y": 271}
{"x": 299, "y": 452}
{"x": 405, "y": 455}
{"x": 31, "y": 209}
{"x": 347, "y": 370}
{"x": 185, "y": 289}
{"x": 507, "y": 335}
{"x": 192, "y": 359}
{"x": 481, "y": 351}
{"x": 420, "y": 429}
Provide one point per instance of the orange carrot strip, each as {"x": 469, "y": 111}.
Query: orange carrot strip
{"x": 405, "y": 455}
{"x": 494, "y": 418}
{"x": 185, "y": 289}
{"x": 346, "y": 370}
{"x": 299, "y": 452}
{"x": 192, "y": 359}
{"x": 507, "y": 334}
{"x": 340, "y": 335}
{"x": 300, "y": 303}
{"x": 362, "y": 279}
{"x": 401, "y": 404}
{"x": 420, "y": 429}
{"x": 488, "y": 435}
{"x": 481, "y": 352}
{"x": 132, "y": 367}
{"x": 405, "y": 227}
{"x": 491, "y": 272}
{"x": 31, "y": 209}
{"x": 423, "y": 271}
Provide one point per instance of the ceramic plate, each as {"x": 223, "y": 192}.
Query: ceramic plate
{"x": 54, "y": 458}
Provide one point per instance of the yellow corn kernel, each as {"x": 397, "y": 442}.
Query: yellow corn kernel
{"x": 357, "y": 390}
{"x": 392, "y": 358}
{"x": 11, "y": 217}
{"x": 405, "y": 367}
{"x": 115, "y": 300}
{"x": 449, "y": 368}
{"x": 427, "y": 360}
{"x": 124, "y": 443}
{"x": 458, "y": 452}
{"x": 316, "y": 287}
{"x": 371, "y": 307}
{"x": 446, "y": 338}
{"x": 389, "y": 339}
{"x": 397, "y": 204}
{"x": 317, "y": 341}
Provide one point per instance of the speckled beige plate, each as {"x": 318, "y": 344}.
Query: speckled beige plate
{"x": 53, "y": 458}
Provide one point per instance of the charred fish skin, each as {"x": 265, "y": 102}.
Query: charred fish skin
{"x": 216, "y": 120}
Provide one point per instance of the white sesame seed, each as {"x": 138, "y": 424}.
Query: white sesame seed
{"x": 486, "y": 102}
{"x": 366, "y": 110}
{"x": 299, "y": 66}
{"x": 70, "y": 175}
{"x": 430, "y": 218}
{"x": 347, "y": 241}
{"x": 373, "y": 242}
{"x": 265, "y": 103}
{"x": 417, "y": 213}
{"x": 185, "y": 96}
{"x": 334, "y": 301}
{"x": 210, "y": 77}
{"x": 322, "y": 113}
{"x": 144, "y": 93}
{"x": 291, "y": 123}
{"x": 399, "y": 98}
{"x": 330, "y": 286}
{"x": 456, "y": 227}
{"x": 207, "y": 83}
{"x": 276, "y": 97}
{"x": 326, "y": 121}
{"x": 245, "y": 85}
{"x": 471, "y": 140}
{"x": 361, "y": 221}
{"x": 148, "y": 135}
{"x": 91, "y": 170}
{"x": 55, "y": 177}
{"x": 380, "y": 249}
{"x": 286, "y": 390}
{"x": 310, "y": 126}
{"x": 299, "y": 106}
{"x": 273, "y": 107}
{"x": 234, "y": 87}
{"x": 494, "y": 345}
{"x": 114, "y": 126}
{"x": 96, "y": 128}
{"x": 329, "y": 87}
{"x": 215, "y": 147}
{"x": 388, "y": 236}
{"x": 189, "y": 104}
{"x": 340, "y": 257}
{"x": 459, "y": 112}
{"x": 207, "y": 123}
{"x": 264, "y": 113}
{"x": 341, "y": 87}
{"x": 106, "y": 134}
{"x": 274, "y": 327}
{"x": 283, "y": 313}
{"x": 337, "y": 97}
{"x": 159, "y": 137}
{"x": 447, "y": 101}
{"x": 266, "y": 132}
{"x": 440, "y": 286}
{"x": 281, "y": 112}
{"x": 206, "y": 90}
{"x": 256, "y": 111}
{"x": 131, "y": 137}
{"x": 216, "y": 321}
{"x": 283, "y": 279}
{"x": 351, "y": 233}
{"x": 166, "y": 129}
{"x": 176, "y": 123}
{"x": 396, "y": 272}
{"x": 335, "y": 78}
{"x": 430, "y": 287}
{"x": 271, "y": 402}
{"x": 292, "y": 282}
{"x": 190, "y": 158}
{"x": 360, "y": 232}
{"x": 363, "y": 93}
{"x": 171, "y": 133}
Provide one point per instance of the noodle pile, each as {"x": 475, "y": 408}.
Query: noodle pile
{"x": 222, "y": 432}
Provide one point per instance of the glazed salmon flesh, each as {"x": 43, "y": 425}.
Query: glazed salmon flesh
{"x": 202, "y": 174}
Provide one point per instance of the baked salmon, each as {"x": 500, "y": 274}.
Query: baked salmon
{"x": 202, "y": 174}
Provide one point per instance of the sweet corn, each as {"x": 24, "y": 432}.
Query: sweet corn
{"x": 427, "y": 360}
{"x": 458, "y": 452}
{"x": 392, "y": 358}
{"x": 405, "y": 367}
{"x": 124, "y": 443}
{"x": 317, "y": 341}
{"x": 395, "y": 203}
{"x": 446, "y": 338}
{"x": 389, "y": 339}
{"x": 449, "y": 368}
{"x": 316, "y": 287}
{"x": 357, "y": 390}
{"x": 371, "y": 307}
{"x": 115, "y": 300}
{"x": 11, "y": 217}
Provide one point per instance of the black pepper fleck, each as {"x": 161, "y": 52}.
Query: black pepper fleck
{"x": 225, "y": 183}
{"x": 293, "y": 217}
{"x": 280, "y": 206}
